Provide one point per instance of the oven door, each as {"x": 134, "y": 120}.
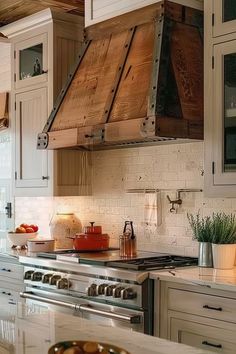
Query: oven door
{"x": 106, "y": 314}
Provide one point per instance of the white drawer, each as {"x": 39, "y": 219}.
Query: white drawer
{"x": 8, "y": 296}
{"x": 11, "y": 270}
{"x": 210, "y": 306}
{"x": 203, "y": 336}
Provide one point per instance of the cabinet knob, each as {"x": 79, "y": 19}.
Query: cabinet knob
{"x": 116, "y": 292}
{"x": 46, "y": 277}
{"x": 91, "y": 290}
{"x": 128, "y": 294}
{"x": 44, "y": 71}
{"x": 36, "y": 276}
{"x": 108, "y": 290}
{"x": 28, "y": 274}
{"x": 45, "y": 177}
{"x": 100, "y": 289}
{"x": 63, "y": 283}
{"x": 53, "y": 280}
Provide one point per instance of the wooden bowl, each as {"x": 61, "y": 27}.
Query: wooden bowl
{"x": 81, "y": 346}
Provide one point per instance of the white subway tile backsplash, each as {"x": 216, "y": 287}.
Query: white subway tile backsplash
{"x": 168, "y": 167}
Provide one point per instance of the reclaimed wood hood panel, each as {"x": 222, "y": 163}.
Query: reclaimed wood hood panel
{"x": 139, "y": 79}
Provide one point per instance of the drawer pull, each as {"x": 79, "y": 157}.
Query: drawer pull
{"x": 5, "y": 293}
{"x": 212, "y": 308}
{"x": 205, "y": 342}
{"x": 5, "y": 270}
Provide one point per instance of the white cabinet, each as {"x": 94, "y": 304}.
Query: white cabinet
{"x": 223, "y": 17}
{"x": 220, "y": 99}
{"x": 31, "y": 61}
{"x": 45, "y": 46}
{"x": 101, "y": 10}
{"x": 11, "y": 280}
{"x": 196, "y": 316}
{"x": 201, "y": 334}
{"x": 31, "y": 164}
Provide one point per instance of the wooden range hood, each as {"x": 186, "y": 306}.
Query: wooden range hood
{"x": 138, "y": 80}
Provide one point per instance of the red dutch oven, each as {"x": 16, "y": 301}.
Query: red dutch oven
{"x": 91, "y": 240}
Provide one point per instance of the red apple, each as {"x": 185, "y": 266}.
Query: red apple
{"x": 29, "y": 230}
{"x": 24, "y": 226}
{"x": 34, "y": 227}
{"x": 20, "y": 230}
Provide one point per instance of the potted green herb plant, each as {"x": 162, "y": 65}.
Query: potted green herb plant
{"x": 202, "y": 232}
{"x": 223, "y": 240}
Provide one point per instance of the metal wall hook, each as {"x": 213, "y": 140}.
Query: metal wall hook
{"x": 173, "y": 202}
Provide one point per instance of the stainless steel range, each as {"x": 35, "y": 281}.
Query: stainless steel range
{"x": 98, "y": 286}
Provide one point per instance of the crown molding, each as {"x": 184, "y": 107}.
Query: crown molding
{"x": 38, "y": 19}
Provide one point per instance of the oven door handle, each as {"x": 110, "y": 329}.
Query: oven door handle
{"x": 30, "y": 295}
{"x": 133, "y": 319}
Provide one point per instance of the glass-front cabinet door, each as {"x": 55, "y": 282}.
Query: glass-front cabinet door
{"x": 31, "y": 62}
{"x": 224, "y": 114}
{"x": 224, "y": 17}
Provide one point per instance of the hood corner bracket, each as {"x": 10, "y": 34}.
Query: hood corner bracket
{"x": 42, "y": 141}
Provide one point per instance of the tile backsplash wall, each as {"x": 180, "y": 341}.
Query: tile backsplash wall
{"x": 167, "y": 167}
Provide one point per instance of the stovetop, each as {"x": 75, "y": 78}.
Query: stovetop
{"x": 111, "y": 258}
{"x": 157, "y": 262}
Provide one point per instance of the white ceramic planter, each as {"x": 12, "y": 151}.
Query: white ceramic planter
{"x": 223, "y": 256}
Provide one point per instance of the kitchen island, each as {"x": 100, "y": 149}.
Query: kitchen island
{"x": 220, "y": 279}
{"x": 198, "y": 306}
{"x": 35, "y": 329}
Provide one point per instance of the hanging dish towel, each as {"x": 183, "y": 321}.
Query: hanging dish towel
{"x": 152, "y": 209}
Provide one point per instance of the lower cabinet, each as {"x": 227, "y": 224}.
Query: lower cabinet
{"x": 194, "y": 331}
{"x": 196, "y": 316}
{"x": 11, "y": 284}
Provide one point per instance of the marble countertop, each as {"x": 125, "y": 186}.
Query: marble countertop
{"x": 35, "y": 330}
{"x": 210, "y": 277}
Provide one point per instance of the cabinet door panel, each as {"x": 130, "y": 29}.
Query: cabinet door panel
{"x": 225, "y": 17}
{"x": 218, "y": 340}
{"x": 31, "y": 61}
{"x": 224, "y": 113}
{"x": 31, "y": 115}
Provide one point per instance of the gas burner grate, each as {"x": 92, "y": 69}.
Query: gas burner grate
{"x": 169, "y": 261}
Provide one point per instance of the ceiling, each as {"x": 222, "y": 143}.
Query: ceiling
{"x": 12, "y": 10}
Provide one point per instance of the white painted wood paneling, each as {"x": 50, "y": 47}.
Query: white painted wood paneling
{"x": 31, "y": 114}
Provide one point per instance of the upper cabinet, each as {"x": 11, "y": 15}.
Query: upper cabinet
{"x": 220, "y": 99}
{"x": 31, "y": 61}
{"x": 44, "y": 46}
{"x": 223, "y": 17}
{"x": 98, "y": 11}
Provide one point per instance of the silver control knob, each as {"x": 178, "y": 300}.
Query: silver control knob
{"x": 117, "y": 291}
{"x": 63, "y": 283}
{"x": 36, "y": 276}
{"x": 108, "y": 290}
{"x": 128, "y": 294}
{"x": 91, "y": 290}
{"x": 100, "y": 289}
{"x": 28, "y": 274}
{"x": 46, "y": 277}
{"x": 53, "y": 279}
